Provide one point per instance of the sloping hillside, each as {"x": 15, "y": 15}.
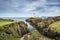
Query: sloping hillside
{"x": 12, "y": 30}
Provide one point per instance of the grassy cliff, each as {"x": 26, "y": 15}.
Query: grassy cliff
{"x": 12, "y": 30}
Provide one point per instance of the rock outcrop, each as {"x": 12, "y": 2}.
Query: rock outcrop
{"x": 42, "y": 25}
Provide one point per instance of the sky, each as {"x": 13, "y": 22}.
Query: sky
{"x": 28, "y": 8}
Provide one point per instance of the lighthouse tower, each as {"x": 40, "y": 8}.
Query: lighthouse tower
{"x": 34, "y": 15}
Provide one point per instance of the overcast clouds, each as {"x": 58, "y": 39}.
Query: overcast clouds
{"x": 25, "y": 8}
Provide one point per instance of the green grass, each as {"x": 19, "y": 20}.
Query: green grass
{"x": 9, "y": 38}
{"x": 2, "y": 23}
{"x": 55, "y": 27}
{"x": 5, "y": 22}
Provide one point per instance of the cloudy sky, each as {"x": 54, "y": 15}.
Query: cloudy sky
{"x": 26, "y": 8}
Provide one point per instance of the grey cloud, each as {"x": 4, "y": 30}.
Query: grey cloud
{"x": 27, "y": 6}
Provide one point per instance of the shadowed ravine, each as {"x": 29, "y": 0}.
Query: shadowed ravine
{"x": 27, "y": 36}
{"x": 31, "y": 29}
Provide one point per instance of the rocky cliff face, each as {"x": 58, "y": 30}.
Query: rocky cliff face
{"x": 23, "y": 28}
{"x": 42, "y": 25}
{"x": 13, "y": 31}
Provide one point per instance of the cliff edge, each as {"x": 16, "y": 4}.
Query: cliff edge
{"x": 12, "y": 30}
